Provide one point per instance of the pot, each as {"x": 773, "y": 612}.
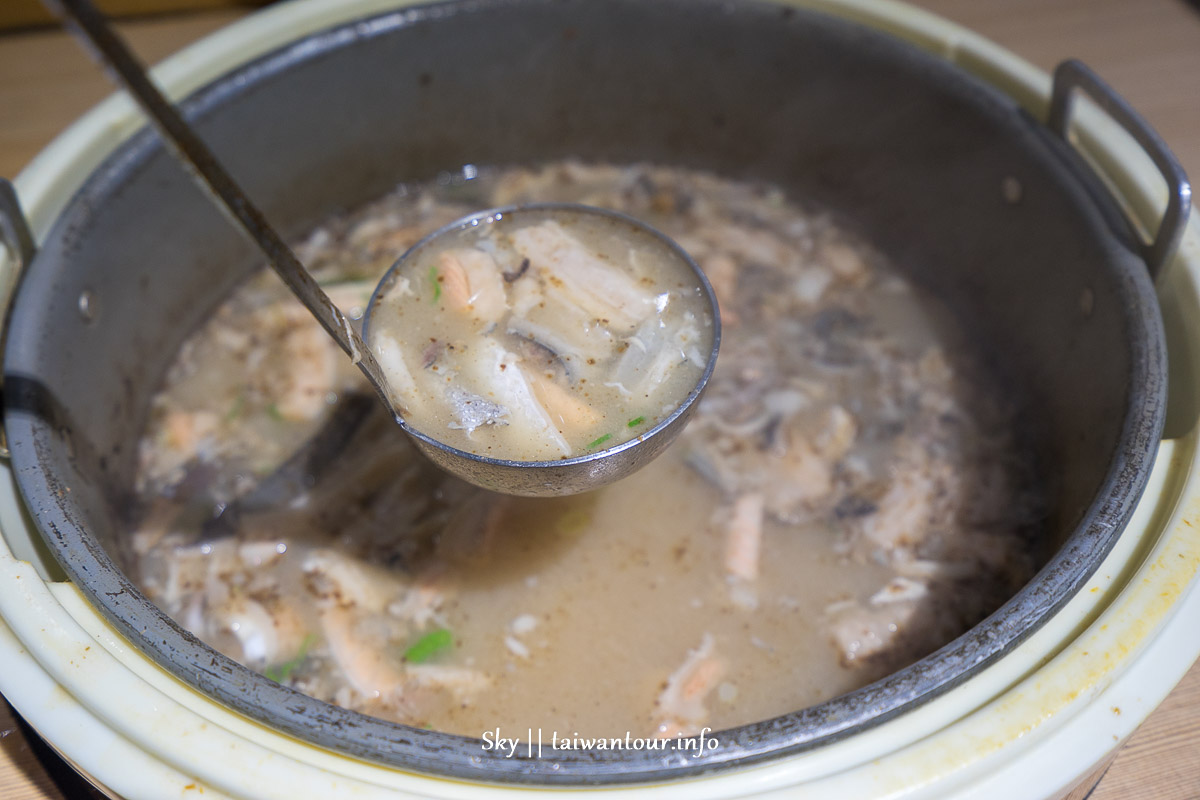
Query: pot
{"x": 916, "y": 151}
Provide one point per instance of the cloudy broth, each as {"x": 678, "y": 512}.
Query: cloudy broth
{"x": 848, "y": 497}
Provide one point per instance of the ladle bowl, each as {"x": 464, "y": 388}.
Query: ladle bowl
{"x": 583, "y": 472}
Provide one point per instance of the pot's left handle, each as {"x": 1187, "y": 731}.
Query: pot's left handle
{"x": 17, "y": 239}
{"x": 1071, "y": 75}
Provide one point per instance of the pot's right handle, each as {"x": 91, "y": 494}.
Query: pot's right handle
{"x": 1073, "y": 74}
{"x": 17, "y": 239}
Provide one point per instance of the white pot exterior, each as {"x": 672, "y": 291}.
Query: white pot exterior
{"x": 1032, "y": 725}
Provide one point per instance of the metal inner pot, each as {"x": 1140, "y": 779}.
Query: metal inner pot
{"x": 912, "y": 150}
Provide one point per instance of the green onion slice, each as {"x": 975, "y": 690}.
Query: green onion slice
{"x": 431, "y": 644}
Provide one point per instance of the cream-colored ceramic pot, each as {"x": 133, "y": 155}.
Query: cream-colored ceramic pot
{"x": 1033, "y": 724}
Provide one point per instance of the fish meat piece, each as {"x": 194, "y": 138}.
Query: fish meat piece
{"x": 336, "y": 580}
{"x": 576, "y": 343}
{"x": 861, "y": 635}
{"x": 368, "y": 668}
{"x": 391, "y": 360}
{"x": 267, "y": 636}
{"x": 312, "y": 371}
{"x": 681, "y": 702}
{"x": 459, "y": 679}
{"x": 567, "y": 411}
{"x": 653, "y": 351}
{"x": 572, "y": 271}
{"x": 744, "y": 536}
{"x": 472, "y": 283}
{"x": 904, "y": 512}
{"x": 489, "y": 364}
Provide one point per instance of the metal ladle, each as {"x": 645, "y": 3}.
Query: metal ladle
{"x": 529, "y": 478}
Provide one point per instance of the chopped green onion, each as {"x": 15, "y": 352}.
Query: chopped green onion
{"x": 274, "y": 412}
{"x": 283, "y": 671}
{"x": 437, "y": 287}
{"x": 600, "y": 441}
{"x": 431, "y": 644}
{"x": 633, "y": 423}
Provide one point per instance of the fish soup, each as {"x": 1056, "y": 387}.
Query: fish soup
{"x": 850, "y": 495}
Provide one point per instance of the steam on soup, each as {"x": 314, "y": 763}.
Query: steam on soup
{"x": 542, "y": 334}
{"x": 848, "y": 497}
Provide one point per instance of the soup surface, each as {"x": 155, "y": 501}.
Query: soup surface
{"x": 848, "y": 497}
{"x": 541, "y": 333}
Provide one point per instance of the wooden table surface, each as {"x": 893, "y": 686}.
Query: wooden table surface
{"x": 1148, "y": 49}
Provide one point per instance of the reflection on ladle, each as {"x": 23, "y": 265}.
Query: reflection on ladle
{"x": 573, "y": 271}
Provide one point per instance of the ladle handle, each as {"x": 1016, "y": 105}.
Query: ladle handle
{"x": 89, "y": 25}
{"x": 1073, "y": 74}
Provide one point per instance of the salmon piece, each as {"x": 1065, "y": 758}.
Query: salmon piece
{"x": 472, "y": 283}
{"x": 490, "y": 365}
{"x": 681, "y": 702}
{"x": 567, "y": 411}
{"x": 744, "y": 536}
{"x": 452, "y": 276}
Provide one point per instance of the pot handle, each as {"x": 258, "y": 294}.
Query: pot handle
{"x": 1073, "y": 74}
{"x": 17, "y": 239}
